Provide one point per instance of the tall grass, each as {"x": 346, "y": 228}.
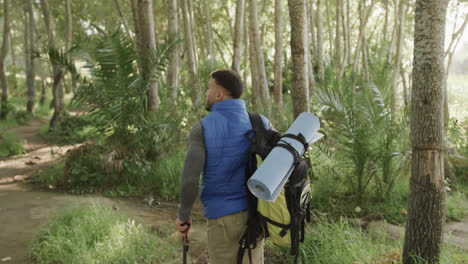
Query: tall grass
{"x": 95, "y": 234}
{"x": 11, "y": 144}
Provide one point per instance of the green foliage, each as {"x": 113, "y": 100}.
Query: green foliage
{"x": 51, "y": 176}
{"x": 72, "y": 130}
{"x": 457, "y": 206}
{"x": 11, "y": 144}
{"x": 457, "y": 145}
{"x": 338, "y": 242}
{"x": 166, "y": 174}
{"x": 362, "y": 134}
{"x": 95, "y": 234}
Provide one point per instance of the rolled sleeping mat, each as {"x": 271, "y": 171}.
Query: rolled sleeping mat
{"x": 269, "y": 179}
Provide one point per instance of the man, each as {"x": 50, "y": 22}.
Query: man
{"x": 217, "y": 146}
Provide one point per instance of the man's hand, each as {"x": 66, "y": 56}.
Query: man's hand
{"x": 183, "y": 227}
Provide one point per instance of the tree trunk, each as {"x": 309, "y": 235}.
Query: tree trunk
{"x": 3, "y": 54}
{"x": 238, "y": 34}
{"x": 209, "y": 35}
{"x": 57, "y": 72}
{"x": 43, "y": 84}
{"x": 348, "y": 33}
{"x": 192, "y": 30}
{"x": 330, "y": 33}
{"x": 148, "y": 46}
{"x": 313, "y": 36}
{"x": 394, "y": 33}
{"x": 300, "y": 94}
{"x": 426, "y": 206}
{"x": 253, "y": 66}
{"x": 30, "y": 77}
{"x": 124, "y": 20}
{"x": 320, "y": 65}
{"x": 195, "y": 93}
{"x": 308, "y": 56}
{"x": 364, "y": 18}
{"x": 173, "y": 68}
{"x": 278, "y": 84}
{"x": 68, "y": 39}
{"x": 345, "y": 34}
{"x": 255, "y": 34}
{"x": 337, "y": 56}
{"x": 385, "y": 26}
{"x": 405, "y": 86}
{"x": 397, "y": 62}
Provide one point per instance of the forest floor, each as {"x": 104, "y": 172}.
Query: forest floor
{"x": 24, "y": 209}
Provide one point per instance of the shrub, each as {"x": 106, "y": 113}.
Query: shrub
{"x": 11, "y": 144}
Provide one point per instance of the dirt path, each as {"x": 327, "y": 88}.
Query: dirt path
{"x": 23, "y": 210}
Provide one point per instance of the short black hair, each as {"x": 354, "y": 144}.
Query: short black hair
{"x": 229, "y": 80}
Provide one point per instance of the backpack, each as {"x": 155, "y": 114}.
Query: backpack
{"x": 282, "y": 221}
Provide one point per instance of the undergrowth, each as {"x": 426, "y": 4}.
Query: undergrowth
{"x": 94, "y": 234}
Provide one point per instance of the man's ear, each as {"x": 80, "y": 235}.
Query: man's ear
{"x": 220, "y": 94}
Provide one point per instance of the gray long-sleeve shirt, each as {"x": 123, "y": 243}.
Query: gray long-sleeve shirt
{"x": 193, "y": 167}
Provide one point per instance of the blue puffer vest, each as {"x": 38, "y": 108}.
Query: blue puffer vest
{"x": 223, "y": 190}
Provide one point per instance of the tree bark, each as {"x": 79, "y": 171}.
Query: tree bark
{"x": 345, "y": 34}
{"x": 397, "y": 62}
{"x": 278, "y": 83}
{"x": 68, "y": 38}
{"x": 255, "y": 34}
{"x": 57, "y": 72}
{"x": 173, "y": 28}
{"x": 195, "y": 92}
{"x": 426, "y": 206}
{"x": 330, "y": 32}
{"x": 313, "y": 36}
{"x": 300, "y": 93}
{"x": 253, "y": 66}
{"x": 238, "y": 35}
{"x": 147, "y": 48}
{"x": 337, "y": 56}
{"x": 3, "y": 54}
{"x": 362, "y": 29}
{"x": 209, "y": 35}
{"x": 308, "y": 56}
{"x": 320, "y": 65}
{"x": 30, "y": 77}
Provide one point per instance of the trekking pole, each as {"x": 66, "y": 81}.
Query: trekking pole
{"x": 185, "y": 242}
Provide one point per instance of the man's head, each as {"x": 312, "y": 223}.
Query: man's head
{"x": 224, "y": 84}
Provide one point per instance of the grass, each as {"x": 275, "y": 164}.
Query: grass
{"x": 167, "y": 173}
{"x": 11, "y": 144}
{"x": 457, "y": 206}
{"x": 94, "y": 234}
{"x": 337, "y": 242}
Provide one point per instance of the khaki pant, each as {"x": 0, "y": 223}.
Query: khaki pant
{"x": 224, "y": 234}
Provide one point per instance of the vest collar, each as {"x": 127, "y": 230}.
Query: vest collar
{"x": 229, "y": 104}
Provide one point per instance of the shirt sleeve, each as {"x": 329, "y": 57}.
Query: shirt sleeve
{"x": 193, "y": 167}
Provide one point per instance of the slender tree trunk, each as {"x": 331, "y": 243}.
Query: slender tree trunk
{"x": 195, "y": 93}
{"x": 68, "y": 38}
{"x": 136, "y": 24}
{"x": 3, "y": 54}
{"x": 57, "y": 72}
{"x": 278, "y": 84}
{"x": 43, "y": 84}
{"x": 173, "y": 28}
{"x": 263, "y": 83}
{"x": 308, "y": 56}
{"x": 385, "y": 26}
{"x": 300, "y": 93}
{"x": 426, "y": 206}
{"x": 394, "y": 33}
{"x": 364, "y": 18}
{"x": 246, "y": 44}
{"x": 31, "y": 72}
{"x": 192, "y": 30}
{"x": 330, "y": 32}
{"x": 124, "y": 20}
{"x": 209, "y": 35}
{"x": 238, "y": 34}
{"x": 147, "y": 48}
{"x": 348, "y": 32}
{"x": 365, "y": 64}
{"x": 320, "y": 65}
{"x": 253, "y": 65}
{"x": 397, "y": 62}
{"x": 337, "y": 56}
{"x": 345, "y": 34}
{"x": 313, "y": 37}
{"x": 405, "y": 86}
